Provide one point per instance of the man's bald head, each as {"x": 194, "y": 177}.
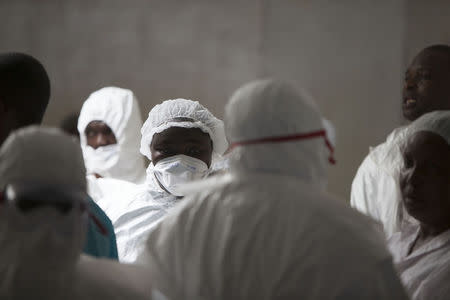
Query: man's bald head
{"x": 427, "y": 82}
{"x": 24, "y": 92}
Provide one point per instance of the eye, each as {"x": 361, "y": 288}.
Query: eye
{"x": 193, "y": 151}
{"x": 164, "y": 150}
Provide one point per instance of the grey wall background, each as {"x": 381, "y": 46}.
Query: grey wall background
{"x": 349, "y": 54}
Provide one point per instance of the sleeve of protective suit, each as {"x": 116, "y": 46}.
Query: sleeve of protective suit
{"x": 384, "y": 284}
{"x": 374, "y": 193}
{"x": 167, "y": 250}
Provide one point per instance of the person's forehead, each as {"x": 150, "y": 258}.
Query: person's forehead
{"x": 97, "y": 124}
{"x": 181, "y": 135}
{"x": 431, "y": 60}
{"x": 428, "y": 142}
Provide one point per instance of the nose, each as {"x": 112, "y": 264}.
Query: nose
{"x": 410, "y": 83}
{"x": 101, "y": 140}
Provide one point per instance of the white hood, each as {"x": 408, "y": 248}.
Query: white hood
{"x": 119, "y": 109}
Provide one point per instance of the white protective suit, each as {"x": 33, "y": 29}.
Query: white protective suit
{"x": 426, "y": 271}
{"x": 268, "y": 230}
{"x": 119, "y": 109}
{"x": 135, "y": 219}
{"x": 375, "y": 188}
{"x": 40, "y": 249}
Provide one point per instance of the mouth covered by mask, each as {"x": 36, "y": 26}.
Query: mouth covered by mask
{"x": 101, "y": 160}
{"x": 175, "y": 171}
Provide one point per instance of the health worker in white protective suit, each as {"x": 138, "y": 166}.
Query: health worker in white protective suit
{"x": 183, "y": 140}
{"x": 375, "y": 188}
{"x": 268, "y": 230}
{"x": 43, "y": 217}
{"x": 109, "y": 125}
{"x": 421, "y": 251}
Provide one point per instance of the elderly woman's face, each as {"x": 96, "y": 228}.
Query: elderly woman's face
{"x": 177, "y": 140}
{"x": 425, "y": 179}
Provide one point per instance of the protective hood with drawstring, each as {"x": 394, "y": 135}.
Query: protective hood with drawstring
{"x": 150, "y": 203}
{"x": 43, "y": 220}
{"x": 268, "y": 230}
{"x": 119, "y": 109}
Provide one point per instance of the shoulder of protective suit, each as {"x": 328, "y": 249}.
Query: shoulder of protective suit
{"x": 387, "y": 156}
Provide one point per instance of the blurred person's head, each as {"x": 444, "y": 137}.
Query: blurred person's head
{"x": 181, "y": 137}
{"x": 109, "y": 125}
{"x": 427, "y": 82}
{"x": 24, "y": 92}
{"x": 424, "y": 178}
{"x": 69, "y": 125}
{"x": 43, "y": 214}
{"x": 275, "y": 128}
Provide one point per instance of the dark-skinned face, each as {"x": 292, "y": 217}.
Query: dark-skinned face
{"x": 425, "y": 178}
{"x": 427, "y": 84}
{"x": 98, "y": 134}
{"x": 177, "y": 140}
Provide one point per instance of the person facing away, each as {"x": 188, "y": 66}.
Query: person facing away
{"x": 44, "y": 217}
{"x": 268, "y": 229}
{"x": 24, "y": 92}
{"x": 375, "y": 188}
{"x": 421, "y": 250}
{"x": 182, "y": 139}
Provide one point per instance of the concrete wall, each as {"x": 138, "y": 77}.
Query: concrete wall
{"x": 350, "y": 54}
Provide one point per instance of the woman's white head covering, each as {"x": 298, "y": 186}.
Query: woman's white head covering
{"x": 269, "y": 111}
{"x": 437, "y": 122}
{"x": 182, "y": 113}
{"x": 119, "y": 109}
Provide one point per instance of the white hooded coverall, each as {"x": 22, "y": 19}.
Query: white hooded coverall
{"x": 40, "y": 250}
{"x": 118, "y": 108}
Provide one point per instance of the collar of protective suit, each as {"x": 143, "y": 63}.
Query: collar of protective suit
{"x": 119, "y": 109}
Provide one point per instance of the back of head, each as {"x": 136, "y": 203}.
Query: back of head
{"x": 41, "y": 155}
{"x": 43, "y": 219}
{"x": 24, "y": 88}
{"x": 276, "y": 129}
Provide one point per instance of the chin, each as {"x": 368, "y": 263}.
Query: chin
{"x": 411, "y": 115}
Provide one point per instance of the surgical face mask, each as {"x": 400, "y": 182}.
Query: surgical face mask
{"x": 172, "y": 172}
{"x": 102, "y": 159}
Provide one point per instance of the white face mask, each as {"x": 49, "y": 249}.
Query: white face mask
{"x": 174, "y": 171}
{"x": 102, "y": 159}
